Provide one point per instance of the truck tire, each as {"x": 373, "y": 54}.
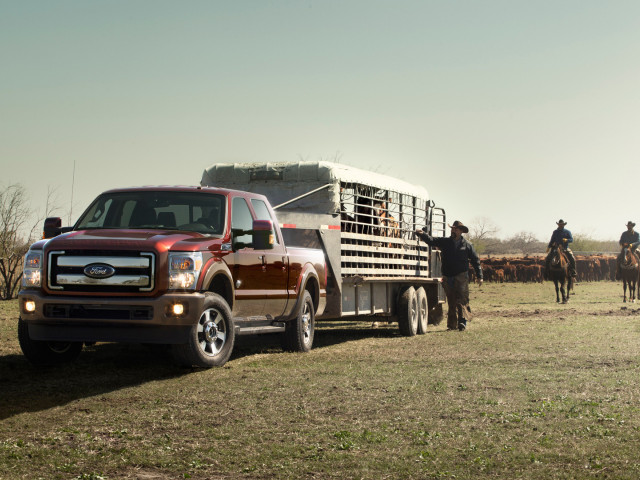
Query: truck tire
{"x": 423, "y": 310}
{"x": 408, "y": 312}
{"x": 299, "y": 333}
{"x": 211, "y": 339}
{"x": 46, "y": 353}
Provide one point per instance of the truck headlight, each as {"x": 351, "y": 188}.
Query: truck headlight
{"x": 184, "y": 270}
{"x": 32, "y": 270}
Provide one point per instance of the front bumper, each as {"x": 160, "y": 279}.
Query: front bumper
{"x": 107, "y": 319}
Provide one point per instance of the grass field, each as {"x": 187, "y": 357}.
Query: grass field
{"x": 531, "y": 390}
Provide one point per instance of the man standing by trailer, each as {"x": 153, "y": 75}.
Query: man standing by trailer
{"x": 457, "y": 252}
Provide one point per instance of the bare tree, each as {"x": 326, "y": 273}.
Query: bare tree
{"x": 17, "y": 230}
{"x": 526, "y": 242}
{"x": 483, "y": 234}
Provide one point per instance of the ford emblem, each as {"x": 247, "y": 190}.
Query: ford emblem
{"x": 99, "y": 270}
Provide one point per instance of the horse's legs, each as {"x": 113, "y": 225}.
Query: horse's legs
{"x": 565, "y": 296}
{"x": 624, "y": 289}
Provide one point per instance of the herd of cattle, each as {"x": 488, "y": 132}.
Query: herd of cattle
{"x": 589, "y": 268}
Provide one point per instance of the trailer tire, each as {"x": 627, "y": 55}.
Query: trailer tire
{"x": 299, "y": 333}
{"x": 46, "y": 353}
{"x": 423, "y": 310}
{"x": 211, "y": 339}
{"x": 408, "y": 312}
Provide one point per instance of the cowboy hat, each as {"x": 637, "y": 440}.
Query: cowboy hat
{"x": 561, "y": 222}
{"x": 631, "y": 224}
{"x": 460, "y": 225}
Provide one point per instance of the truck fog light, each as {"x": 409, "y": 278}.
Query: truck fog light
{"x": 178, "y": 309}
{"x": 29, "y": 306}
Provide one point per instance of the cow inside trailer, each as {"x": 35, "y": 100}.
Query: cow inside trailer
{"x": 364, "y": 222}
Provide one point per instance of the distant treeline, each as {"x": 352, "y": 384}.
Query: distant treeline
{"x": 526, "y": 243}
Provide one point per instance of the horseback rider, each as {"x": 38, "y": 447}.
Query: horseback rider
{"x": 561, "y": 236}
{"x": 630, "y": 238}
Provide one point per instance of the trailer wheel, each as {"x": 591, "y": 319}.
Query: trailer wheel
{"x": 408, "y": 312}
{"x": 46, "y": 353}
{"x": 299, "y": 333}
{"x": 423, "y": 310}
{"x": 211, "y": 339}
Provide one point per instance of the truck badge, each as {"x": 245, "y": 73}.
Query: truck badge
{"x": 99, "y": 270}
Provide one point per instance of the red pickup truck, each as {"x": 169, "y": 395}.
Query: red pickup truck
{"x": 190, "y": 267}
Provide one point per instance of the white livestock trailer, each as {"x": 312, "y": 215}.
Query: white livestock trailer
{"x": 365, "y": 224}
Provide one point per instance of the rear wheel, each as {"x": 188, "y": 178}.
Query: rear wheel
{"x": 211, "y": 340}
{"x": 408, "y": 312}
{"x": 46, "y": 353}
{"x": 299, "y": 333}
{"x": 423, "y": 310}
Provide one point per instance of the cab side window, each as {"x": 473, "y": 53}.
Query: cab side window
{"x": 241, "y": 219}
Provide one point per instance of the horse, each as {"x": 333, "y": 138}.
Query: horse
{"x": 559, "y": 272}
{"x": 629, "y": 269}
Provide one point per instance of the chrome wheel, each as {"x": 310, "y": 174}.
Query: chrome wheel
{"x": 306, "y": 324}
{"x": 212, "y": 332}
{"x": 211, "y": 338}
{"x": 299, "y": 333}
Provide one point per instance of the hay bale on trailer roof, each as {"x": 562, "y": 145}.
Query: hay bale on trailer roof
{"x": 297, "y": 178}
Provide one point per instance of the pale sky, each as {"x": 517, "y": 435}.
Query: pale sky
{"x": 523, "y": 112}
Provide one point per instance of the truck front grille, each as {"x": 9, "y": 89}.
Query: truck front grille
{"x": 98, "y": 312}
{"x": 82, "y": 271}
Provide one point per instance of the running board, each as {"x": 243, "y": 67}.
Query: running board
{"x": 276, "y": 327}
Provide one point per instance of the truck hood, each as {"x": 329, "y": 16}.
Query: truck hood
{"x": 141, "y": 240}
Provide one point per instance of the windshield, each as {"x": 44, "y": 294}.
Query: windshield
{"x": 185, "y": 211}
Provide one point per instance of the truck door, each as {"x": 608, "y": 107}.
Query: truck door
{"x": 247, "y": 272}
{"x": 275, "y": 266}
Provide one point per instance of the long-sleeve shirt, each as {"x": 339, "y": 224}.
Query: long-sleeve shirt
{"x": 456, "y": 255}
{"x": 629, "y": 237}
{"x": 558, "y": 235}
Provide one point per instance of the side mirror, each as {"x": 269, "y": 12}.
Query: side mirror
{"x": 235, "y": 234}
{"x": 52, "y": 227}
{"x": 262, "y": 234}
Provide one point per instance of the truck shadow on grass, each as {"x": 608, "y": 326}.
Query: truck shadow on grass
{"x": 108, "y": 367}
{"x": 99, "y": 369}
{"x": 326, "y": 335}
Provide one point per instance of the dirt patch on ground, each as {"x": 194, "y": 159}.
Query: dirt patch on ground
{"x": 514, "y": 313}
